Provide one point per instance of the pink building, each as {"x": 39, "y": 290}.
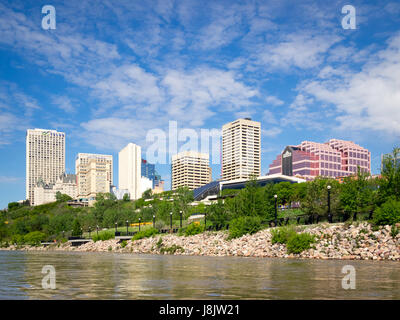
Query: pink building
{"x": 335, "y": 158}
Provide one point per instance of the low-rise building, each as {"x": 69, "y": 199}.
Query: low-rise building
{"x": 46, "y": 193}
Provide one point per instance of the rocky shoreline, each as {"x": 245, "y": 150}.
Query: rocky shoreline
{"x": 334, "y": 241}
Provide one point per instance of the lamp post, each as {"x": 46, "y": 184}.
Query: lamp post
{"x": 180, "y": 212}
{"x": 127, "y": 227}
{"x": 205, "y": 221}
{"x": 276, "y": 210}
{"x": 63, "y": 234}
{"x": 139, "y": 223}
{"x": 154, "y": 221}
{"x": 170, "y": 219}
{"x": 329, "y": 204}
{"x": 97, "y": 230}
{"x": 116, "y": 224}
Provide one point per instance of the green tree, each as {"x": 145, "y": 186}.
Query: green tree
{"x": 76, "y": 228}
{"x": 60, "y": 197}
{"x": 390, "y": 171}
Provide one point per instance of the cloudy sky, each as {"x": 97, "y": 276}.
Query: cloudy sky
{"x": 112, "y": 71}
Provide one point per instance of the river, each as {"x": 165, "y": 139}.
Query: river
{"x": 128, "y": 276}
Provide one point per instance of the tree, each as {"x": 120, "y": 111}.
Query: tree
{"x": 76, "y": 228}
{"x": 147, "y": 194}
{"x": 60, "y": 197}
{"x": 390, "y": 184}
{"x": 316, "y": 199}
{"x": 126, "y": 197}
{"x": 183, "y": 196}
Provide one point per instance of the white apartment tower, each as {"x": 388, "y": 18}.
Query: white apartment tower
{"x": 241, "y": 149}
{"x": 94, "y": 174}
{"x": 130, "y": 169}
{"x": 45, "y": 158}
{"x": 190, "y": 169}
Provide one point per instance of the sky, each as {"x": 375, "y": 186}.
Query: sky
{"x": 114, "y": 72}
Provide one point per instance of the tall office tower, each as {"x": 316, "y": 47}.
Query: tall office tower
{"x": 94, "y": 174}
{"x": 129, "y": 170}
{"x": 190, "y": 169}
{"x": 45, "y": 158}
{"x": 149, "y": 171}
{"x": 241, "y": 149}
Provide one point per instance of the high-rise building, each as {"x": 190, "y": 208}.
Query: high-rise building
{"x": 129, "y": 170}
{"x": 149, "y": 171}
{"x": 190, "y": 169}
{"x": 45, "y": 158}
{"x": 335, "y": 158}
{"x": 94, "y": 173}
{"x": 241, "y": 149}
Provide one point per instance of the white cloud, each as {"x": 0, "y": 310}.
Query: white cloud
{"x": 369, "y": 99}
{"x": 302, "y": 51}
{"x": 271, "y": 132}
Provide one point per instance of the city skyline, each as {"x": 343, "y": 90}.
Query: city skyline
{"x": 107, "y": 78}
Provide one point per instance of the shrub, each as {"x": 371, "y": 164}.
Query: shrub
{"x": 34, "y": 238}
{"x": 123, "y": 244}
{"x": 244, "y": 225}
{"x": 171, "y": 250}
{"x": 159, "y": 243}
{"x": 193, "y": 229}
{"x": 145, "y": 234}
{"x": 103, "y": 236}
{"x": 299, "y": 242}
{"x": 388, "y": 213}
{"x": 17, "y": 239}
{"x": 394, "y": 231}
{"x": 282, "y": 234}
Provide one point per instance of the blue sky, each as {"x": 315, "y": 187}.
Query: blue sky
{"x": 113, "y": 70}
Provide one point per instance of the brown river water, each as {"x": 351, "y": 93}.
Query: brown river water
{"x": 132, "y": 276}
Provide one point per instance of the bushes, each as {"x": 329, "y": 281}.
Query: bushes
{"x": 282, "y": 235}
{"x": 388, "y": 213}
{"x": 299, "y": 242}
{"x": 34, "y": 238}
{"x": 244, "y": 225}
{"x": 295, "y": 242}
{"x": 193, "y": 229}
{"x": 103, "y": 236}
{"x": 145, "y": 234}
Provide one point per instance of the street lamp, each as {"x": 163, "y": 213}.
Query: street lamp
{"x": 139, "y": 223}
{"x": 181, "y": 217}
{"x": 97, "y": 230}
{"x": 170, "y": 219}
{"x": 329, "y": 204}
{"x": 205, "y": 220}
{"x": 154, "y": 221}
{"x": 276, "y": 210}
{"x": 127, "y": 227}
{"x": 63, "y": 234}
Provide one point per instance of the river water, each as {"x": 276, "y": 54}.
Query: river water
{"x": 128, "y": 276}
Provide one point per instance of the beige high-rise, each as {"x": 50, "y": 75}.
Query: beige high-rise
{"x": 241, "y": 149}
{"x": 94, "y": 174}
{"x": 45, "y": 158}
{"x": 190, "y": 169}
